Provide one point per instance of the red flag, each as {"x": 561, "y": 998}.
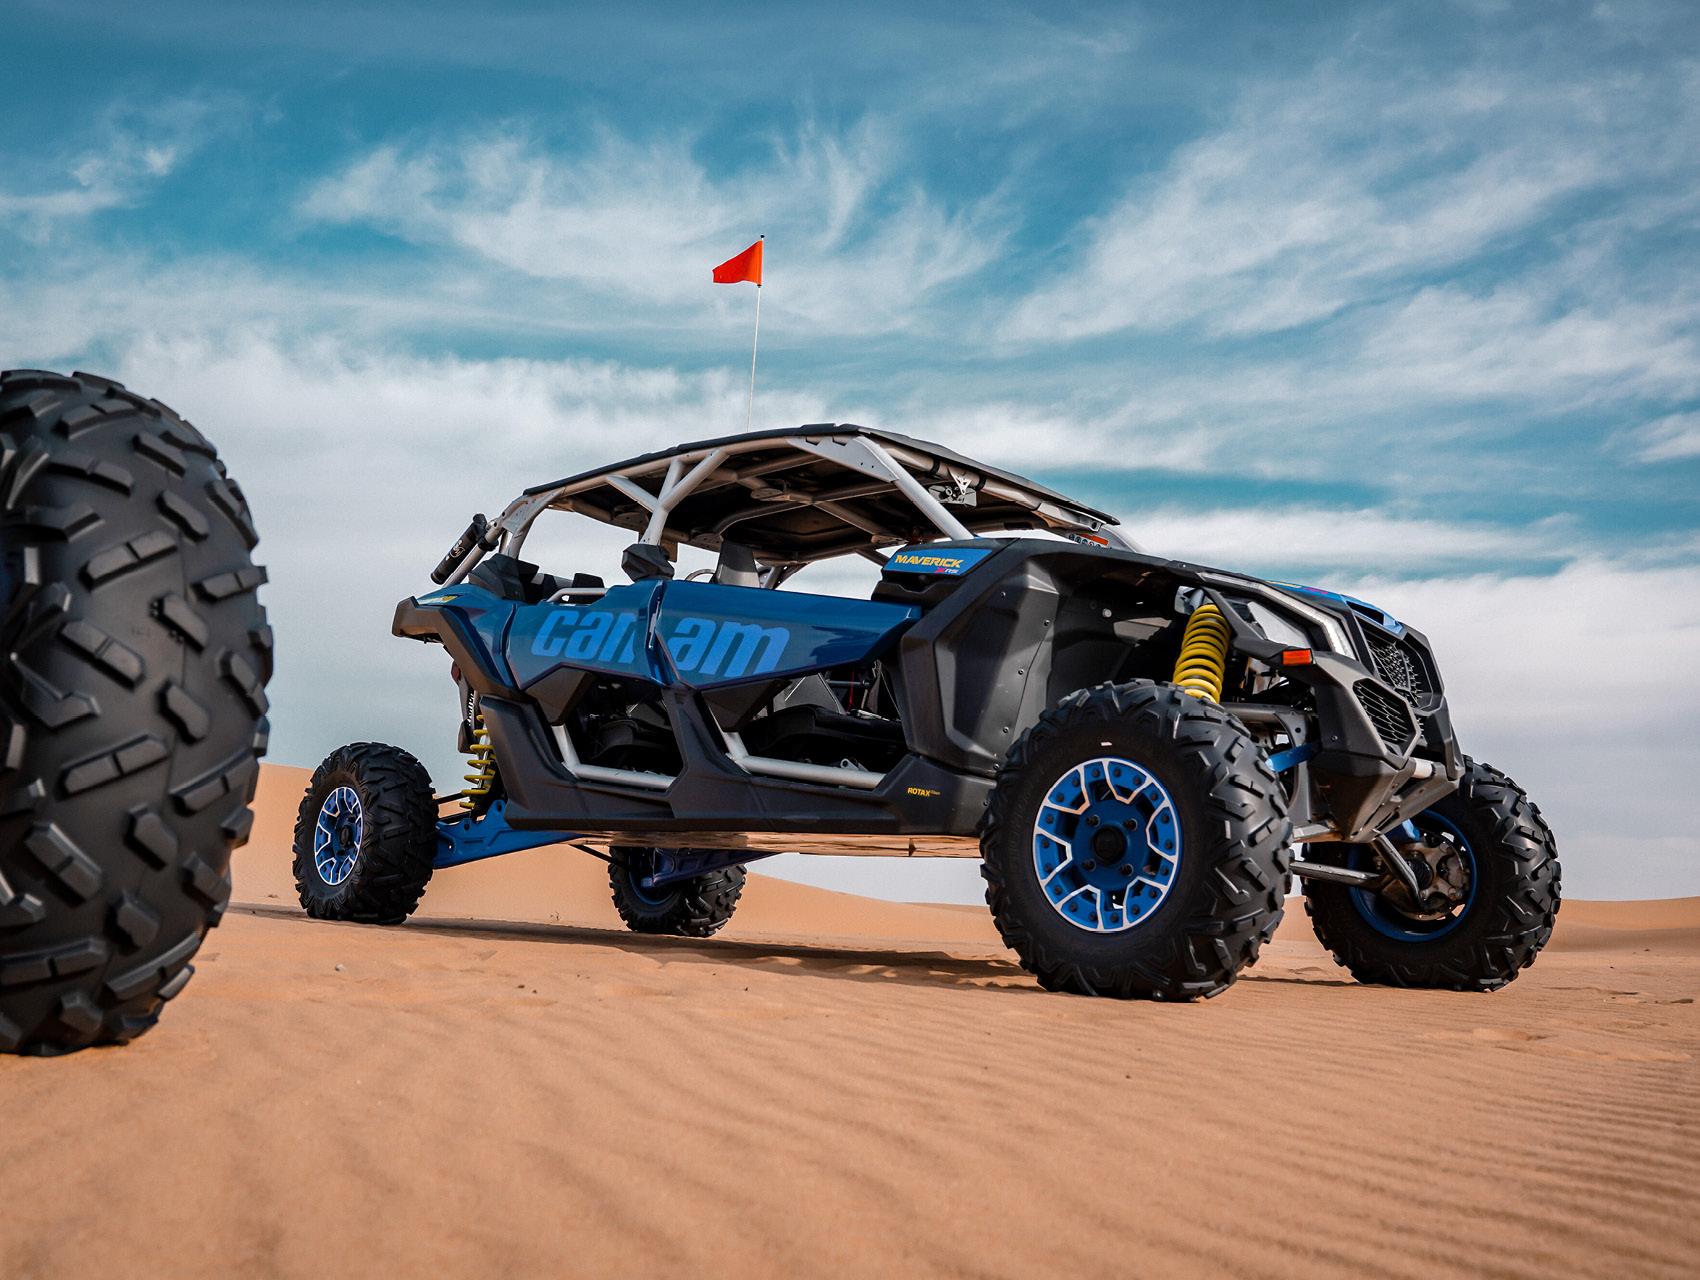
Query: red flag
{"x": 746, "y": 266}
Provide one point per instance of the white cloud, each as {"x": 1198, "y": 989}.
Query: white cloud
{"x": 1518, "y": 343}
{"x": 1675, "y": 436}
{"x": 1407, "y": 389}
{"x": 849, "y": 249}
{"x": 1326, "y": 192}
{"x": 135, "y": 147}
{"x": 1341, "y": 539}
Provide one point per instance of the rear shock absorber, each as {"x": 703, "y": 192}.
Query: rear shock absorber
{"x": 482, "y": 765}
{"x": 1203, "y": 664}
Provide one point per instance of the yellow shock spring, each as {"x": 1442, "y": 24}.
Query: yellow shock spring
{"x": 482, "y": 764}
{"x": 1203, "y": 664}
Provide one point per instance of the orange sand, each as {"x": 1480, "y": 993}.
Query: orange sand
{"x": 842, "y": 1087}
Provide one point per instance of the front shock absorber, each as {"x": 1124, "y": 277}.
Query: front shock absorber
{"x": 1203, "y": 664}
{"x": 482, "y": 764}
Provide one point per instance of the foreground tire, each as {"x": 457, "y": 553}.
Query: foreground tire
{"x": 132, "y": 698}
{"x": 1136, "y": 845}
{"x": 365, "y": 835}
{"x": 1493, "y": 840}
{"x": 694, "y": 908}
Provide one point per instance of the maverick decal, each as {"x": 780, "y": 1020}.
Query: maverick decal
{"x": 949, "y": 561}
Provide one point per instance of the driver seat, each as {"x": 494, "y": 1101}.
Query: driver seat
{"x": 737, "y": 567}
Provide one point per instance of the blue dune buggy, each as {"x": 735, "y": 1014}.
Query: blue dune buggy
{"x": 1141, "y": 752}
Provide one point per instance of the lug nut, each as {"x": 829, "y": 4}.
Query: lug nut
{"x": 1089, "y": 865}
{"x": 1126, "y": 868}
{"x": 1091, "y": 819}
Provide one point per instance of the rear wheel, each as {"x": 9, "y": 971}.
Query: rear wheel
{"x": 132, "y": 697}
{"x": 1489, "y": 866}
{"x": 365, "y": 835}
{"x": 693, "y": 908}
{"x": 1136, "y": 844}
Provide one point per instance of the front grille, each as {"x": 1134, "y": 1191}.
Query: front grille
{"x": 1399, "y": 666}
{"x": 1391, "y": 717}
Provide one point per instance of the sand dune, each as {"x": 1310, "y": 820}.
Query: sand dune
{"x": 849, "y": 1088}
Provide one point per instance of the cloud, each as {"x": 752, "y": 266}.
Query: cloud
{"x": 134, "y": 148}
{"x": 851, "y": 248}
{"x": 1672, "y": 437}
{"x": 1329, "y": 191}
{"x": 1335, "y": 539}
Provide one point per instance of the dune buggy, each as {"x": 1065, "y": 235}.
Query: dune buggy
{"x": 1141, "y": 752}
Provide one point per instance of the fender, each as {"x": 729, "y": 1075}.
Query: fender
{"x": 472, "y": 624}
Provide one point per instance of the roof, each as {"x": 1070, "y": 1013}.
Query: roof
{"x": 809, "y": 492}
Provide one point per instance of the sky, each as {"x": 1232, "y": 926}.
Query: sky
{"x": 1400, "y": 300}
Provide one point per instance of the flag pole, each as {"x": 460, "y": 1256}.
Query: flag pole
{"x": 749, "y": 413}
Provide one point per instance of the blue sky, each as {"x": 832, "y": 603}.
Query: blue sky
{"x": 1400, "y": 299}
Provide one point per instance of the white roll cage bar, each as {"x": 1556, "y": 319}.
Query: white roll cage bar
{"x": 682, "y": 473}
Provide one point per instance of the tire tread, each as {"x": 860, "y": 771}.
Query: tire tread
{"x": 1518, "y": 922}
{"x": 106, "y": 886}
{"x": 1246, "y": 846}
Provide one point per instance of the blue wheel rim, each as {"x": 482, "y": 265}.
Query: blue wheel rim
{"x": 1386, "y": 919}
{"x": 336, "y": 835}
{"x": 1106, "y": 845}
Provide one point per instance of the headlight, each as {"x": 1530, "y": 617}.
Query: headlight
{"x": 1327, "y": 626}
{"x": 1326, "y": 622}
{"x": 1277, "y": 628}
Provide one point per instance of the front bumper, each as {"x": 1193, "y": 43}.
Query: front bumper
{"x": 1384, "y": 745}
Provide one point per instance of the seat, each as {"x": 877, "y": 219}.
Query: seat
{"x": 737, "y": 567}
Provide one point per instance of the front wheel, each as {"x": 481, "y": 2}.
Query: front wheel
{"x": 365, "y": 835}
{"x": 1490, "y": 868}
{"x": 1136, "y": 844}
{"x": 693, "y": 908}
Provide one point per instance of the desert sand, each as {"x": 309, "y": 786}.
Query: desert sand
{"x": 512, "y": 1085}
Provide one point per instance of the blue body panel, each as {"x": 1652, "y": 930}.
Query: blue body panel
{"x": 698, "y": 635}
{"x": 481, "y": 618}
{"x": 717, "y": 635}
{"x": 614, "y": 635}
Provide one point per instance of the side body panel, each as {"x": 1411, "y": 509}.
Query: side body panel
{"x": 979, "y": 639}
{"x": 691, "y": 635}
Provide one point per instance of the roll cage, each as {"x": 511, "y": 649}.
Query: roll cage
{"x": 800, "y": 495}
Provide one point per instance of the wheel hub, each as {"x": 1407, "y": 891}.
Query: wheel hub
{"x": 337, "y": 835}
{"x": 1106, "y": 845}
{"x": 1109, "y": 844}
{"x": 1442, "y": 878}
{"x": 1444, "y": 867}
{"x": 1441, "y": 872}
